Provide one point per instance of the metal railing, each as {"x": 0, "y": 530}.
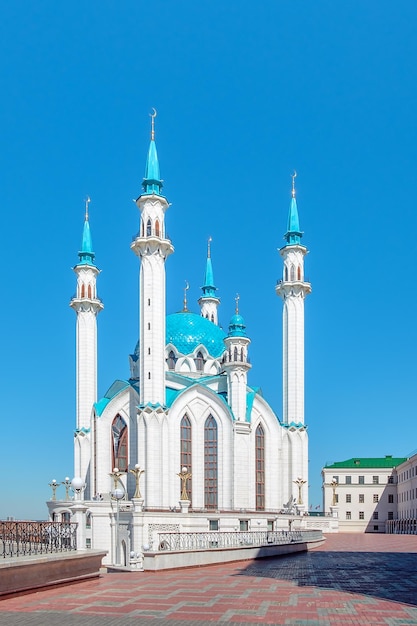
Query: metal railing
{"x": 216, "y": 539}
{"x": 30, "y": 538}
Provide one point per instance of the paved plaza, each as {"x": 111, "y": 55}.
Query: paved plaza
{"x": 351, "y": 579}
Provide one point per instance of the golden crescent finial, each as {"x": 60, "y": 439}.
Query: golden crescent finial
{"x": 153, "y": 116}
{"x": 293, "y": 176}
{"x": 186, "y": 288}
{"x": 210, "y": 239}
{"x": 87, "y": 202}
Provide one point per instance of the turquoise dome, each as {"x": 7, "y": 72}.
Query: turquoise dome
{"x": 186, "y": 331}
{"x": 237, "y": 326}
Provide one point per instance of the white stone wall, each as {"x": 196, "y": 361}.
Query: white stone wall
{"x": 407, "y": 489}
{"x": 375, "y": 496}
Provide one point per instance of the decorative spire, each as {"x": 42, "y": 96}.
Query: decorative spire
{"x": 86, "y": 253}
{"x": 293, "y": 234}
{"x": 152, "y": 183}
{"x": 237, "y": 303}
{"x": 186, "y": 288}
{"x": 209, "y": 289}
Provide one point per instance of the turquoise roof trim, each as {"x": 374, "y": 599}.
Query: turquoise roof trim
{"x": 187, "y": 331}
{"x": 293, "y": 234}
{"x": 86, "y": 253}
{"x": 152, "y": 183}
{"x": 114, "y": 390}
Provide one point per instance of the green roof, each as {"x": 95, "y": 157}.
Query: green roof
{"x": 357, "y": 463}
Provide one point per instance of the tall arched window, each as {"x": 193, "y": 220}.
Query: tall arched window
{"x": 299, "y": 273}
{"x": 89, "y": 291}
{"x": 292, "y": 273}
{"x": 235, "y": 354}
{"x": 119, "y": 441}
{"x": 210, "y": 463}
{"x": 199, "y": 362}
{"x": 148, "y": 228}
{"x": 185, "y": 453}
{"x": 83, "y": 290}
{"x": 171, "y": 360}
{"x": 260, "y": 468}
{"x": 157, "y": 228}
{"x": 286, "y": 273}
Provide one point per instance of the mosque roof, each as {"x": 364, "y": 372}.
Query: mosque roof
{"x": 186, "y": 331}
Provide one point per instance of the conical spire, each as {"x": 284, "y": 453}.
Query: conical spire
{"x": 152, "y": 183}
{"x": 86, "y": 253}
{"x": 293, "y": 234}
{"x": 209, "y": 289}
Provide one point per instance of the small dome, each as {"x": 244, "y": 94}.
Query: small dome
{"x": 237, "y": 327}
{"x": 186, "y": 331}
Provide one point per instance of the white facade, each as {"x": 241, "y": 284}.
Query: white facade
{"x": 187, "y": 404}
{"x": 365, "y": 491}
{"x": 407, "y": 490}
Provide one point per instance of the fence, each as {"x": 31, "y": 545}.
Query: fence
{"x": 29, "y": 538}
{"x": 215, "y": 539}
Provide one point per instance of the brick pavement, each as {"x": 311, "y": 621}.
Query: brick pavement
{"x": 352, "y": 579}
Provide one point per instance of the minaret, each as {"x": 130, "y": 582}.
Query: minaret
{"x": 152, "y": 247}
{"x": 293, "y": 289}
{"x": 236, "y": 364}
{"x": 208, "y": 301}
{"x": 87, "y": 305}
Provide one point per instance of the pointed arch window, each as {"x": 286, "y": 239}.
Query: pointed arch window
{"x": 157, "y": 228}
{"x": 260, "y": 468}
{"x": 148, "y": 228}
{"x": 210, "y": 463}
{"x": 286, "y": 273}
{"x": 172, "y": 359}
{"x": 199, "y": 362}
{"x": 292, "y": 273}
{"x": 119, "y": 441}
{"x": 235, "y": 354}
{"x": 83, "y": 290}
{"x": 185, "y": 450}
{"x": 89, "y": 291}
{"x": 298, "y": 273}
{"x": 212, "y": 318}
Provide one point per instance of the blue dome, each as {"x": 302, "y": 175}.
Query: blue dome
{"x": 237, "y": 326}
{"x": 186, "y": 331}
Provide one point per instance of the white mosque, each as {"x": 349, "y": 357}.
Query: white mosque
{"x": 183, "y": 444}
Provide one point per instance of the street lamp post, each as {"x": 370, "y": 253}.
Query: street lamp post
{"x": 184, "y": 475}
{"x": 117, "y": 494}
{"x": 67, "y": 485}
{"x": 53, "y": 485}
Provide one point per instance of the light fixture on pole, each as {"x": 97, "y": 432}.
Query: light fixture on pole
{"x": 53, "y": 485}
{"x": 78, "y": 486}
{"x": 117, "y": 494}
{"x": 67, "y": 485}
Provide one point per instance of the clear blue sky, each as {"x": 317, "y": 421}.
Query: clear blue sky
{"x": 245, "y": 93}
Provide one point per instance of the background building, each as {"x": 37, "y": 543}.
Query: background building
{"x": 364, "y": 490}
{"x": 185, "y": 442}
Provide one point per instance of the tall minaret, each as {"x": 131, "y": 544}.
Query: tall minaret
{"x": 87, "y": 305}
{"x": 209, "y": 301}
{"x": 152, "y": 247}
{"x": 293, "y": 289}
